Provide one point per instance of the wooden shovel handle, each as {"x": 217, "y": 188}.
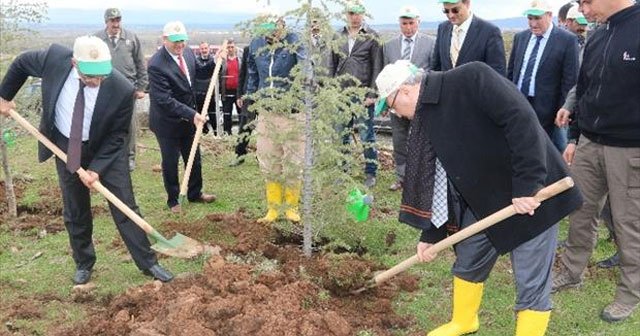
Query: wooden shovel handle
{"x": 97, "y": 185}
{"x": 196, "y": 139}
{"x": 542, "y": 195}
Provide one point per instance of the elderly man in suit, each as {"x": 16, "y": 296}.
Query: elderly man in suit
{"x": 502, "y": 151}
{"x": 87, "y": 110}
{"x": 417, "y": 47}
{"x": 544, "y": 65}
{"x": 466, "y": 38}
{"x": 173, "y": 114}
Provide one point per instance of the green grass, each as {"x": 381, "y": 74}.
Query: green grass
{"x": 46, "y": 280}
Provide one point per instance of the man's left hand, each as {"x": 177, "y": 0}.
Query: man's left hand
{"x": 525, "y": 205}
{"x": 89, "y": 178}
{"x": 369, "y": 101}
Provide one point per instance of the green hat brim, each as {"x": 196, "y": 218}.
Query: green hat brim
{"x": 178, "y": 37}
{"x": 408, "y": 16}
{"x": 582, "y": 20}
{"x": 448, "y": 1}
{"x": 102, "y": 68}
{"x": 358, "y": 9}
{"x": 381, "y": 105}
{"x": 534, "y": 12}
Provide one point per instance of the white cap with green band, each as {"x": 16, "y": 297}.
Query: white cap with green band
{"x": 175, "y": 31}
{"x": 92, "y": 56}
{"x": 538, "y": 8}
{"x": 391, "y": 79}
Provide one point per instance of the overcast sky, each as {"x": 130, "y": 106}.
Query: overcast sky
{"x": 381, "y": 10}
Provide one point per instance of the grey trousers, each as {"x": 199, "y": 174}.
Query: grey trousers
{"x": 531, "y": 262}
{"x": 133, "y": 130}
{"x": 600, "y": 170}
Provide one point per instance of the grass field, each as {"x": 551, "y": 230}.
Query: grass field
{"x": 36, "y": 268}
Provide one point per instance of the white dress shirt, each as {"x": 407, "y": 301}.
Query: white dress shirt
{"x": 66, "y": 101}
{"x": 464, "y": 28}
{"x": 186, "y": 68}
{"x": 403, "y": 44}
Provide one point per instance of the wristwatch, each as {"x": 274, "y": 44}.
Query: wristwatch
{"x": 572, "y": 141}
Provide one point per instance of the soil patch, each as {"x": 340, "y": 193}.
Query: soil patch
{"x": 257, "y": 288}
{"x": 44, "y": 217}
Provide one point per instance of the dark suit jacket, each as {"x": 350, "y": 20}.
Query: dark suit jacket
{"x": 483, "y": 43}
{"x": 173, "y": 100}
{"x": 112, "y": 113}
{"x": 557, "y": 71}
{"x": 499, "y": 152}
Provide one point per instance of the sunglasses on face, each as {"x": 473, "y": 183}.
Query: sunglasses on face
{"x": 454, "y": 10}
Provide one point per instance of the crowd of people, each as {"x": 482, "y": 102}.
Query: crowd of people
{"x": 465, "y": 121}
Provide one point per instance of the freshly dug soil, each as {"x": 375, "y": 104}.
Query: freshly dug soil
{"x": 256, "y": 288}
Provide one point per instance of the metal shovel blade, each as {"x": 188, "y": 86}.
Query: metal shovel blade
{"x": 180, "y": 246}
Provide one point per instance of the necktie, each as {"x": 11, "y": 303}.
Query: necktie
{"x": 528, "y": 72}
{"x": 439, "y": 208}
{"x": 181, "y": 64}
{"x": 455, "y": 45}
{"x": 75, "y": 135}
{"x": 406, "y": 52}
{"x": 114, "y": 40}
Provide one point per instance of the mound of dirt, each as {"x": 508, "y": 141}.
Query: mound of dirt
{"x": 258, "y": 288}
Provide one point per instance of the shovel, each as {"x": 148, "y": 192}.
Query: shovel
{"x": 179, "y": 246}
{"x": 196, "y": 139}
{"x": 542, "y": 195}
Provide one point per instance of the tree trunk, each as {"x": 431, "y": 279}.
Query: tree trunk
{"x": 307, "y": 177}
{"x": 8, "y": 181}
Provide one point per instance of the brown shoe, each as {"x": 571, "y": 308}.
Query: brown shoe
{"x": 396, "y": 186}
{"x": 176, "y": 209}
{"x": 205, "y": 198}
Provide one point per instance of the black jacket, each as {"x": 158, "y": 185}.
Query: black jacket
{"x": 487, "y": 137}
{"x": 173, "y": 99}
{"x": 609, "y": 82}
{"x": 112, "y": 112}
{"x": 483, "y": 43}
{"x": 365, "y": 60}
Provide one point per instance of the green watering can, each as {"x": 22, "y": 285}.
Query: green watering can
{"x": 359, "y": 205}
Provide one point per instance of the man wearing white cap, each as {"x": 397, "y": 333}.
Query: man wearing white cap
{"x": 501, "y": 156}
{"x": 465, "y": 37}
{"x": 577, "y": 23}
{"x": 544, "y": 66}
{"x": 87, "y": 109}
{"x": 418, "y": 48}
{"x": 173, "y": 114}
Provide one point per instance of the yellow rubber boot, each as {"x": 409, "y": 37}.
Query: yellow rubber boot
{"x": 292, "y": 199}
{"x": 466, "y": 304}
{"x": 274, "y": 202}
{"x": 532, "y": 322}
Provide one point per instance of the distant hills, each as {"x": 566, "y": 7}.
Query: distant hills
{"x": 142, "y": 20}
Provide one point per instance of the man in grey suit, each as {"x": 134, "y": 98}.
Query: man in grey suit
{"x": 416, "y": 47}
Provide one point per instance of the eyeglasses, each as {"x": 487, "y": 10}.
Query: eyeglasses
{"x": 390, "y": 106}
{"x": 454, "y": 10}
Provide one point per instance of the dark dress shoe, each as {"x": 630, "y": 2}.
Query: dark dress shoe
{"x": 204, "y": 198}
{"x": 610, "y": 262}
{"x": 158, "y": 273}
{"x": 81, "y": 277}
{"x": 176, "y": 209}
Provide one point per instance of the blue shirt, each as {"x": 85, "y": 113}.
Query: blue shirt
{"x": 527, "y": 55}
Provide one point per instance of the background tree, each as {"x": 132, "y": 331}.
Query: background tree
{"x": 15, "y": 16}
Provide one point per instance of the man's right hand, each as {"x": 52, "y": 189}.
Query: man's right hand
{"x": 568, "y": 154}
{"x": 562, "y": 117}
{"x": 423, "y": 252}
{"x": 199, "y": 119}
{"x": 5, "y": 106}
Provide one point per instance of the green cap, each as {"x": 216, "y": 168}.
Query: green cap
{"x": 449, "y": 1}
{"x": 265, "y": 28}
{"x": 175, "y": 31}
